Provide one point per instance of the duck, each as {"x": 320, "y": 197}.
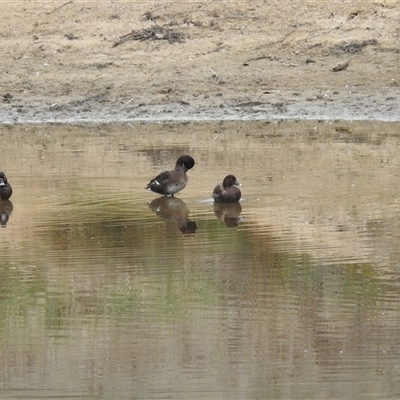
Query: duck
{"x": 227, "y": 192}
{"x": 5, "y": 187}
{"x": 171, "y": 182}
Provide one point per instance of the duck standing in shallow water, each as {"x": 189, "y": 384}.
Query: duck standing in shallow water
{"x": 227, "y": 192}
{"x": 171, "y": 182}
{"x": 5, "y": 187}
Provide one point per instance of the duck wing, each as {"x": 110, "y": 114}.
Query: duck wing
{"x": 160, "y": 182}
{"x": 160, "y": 178}
{"x": 217, "y": 191}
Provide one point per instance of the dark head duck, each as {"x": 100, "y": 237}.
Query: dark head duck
{"x": 227, "y": 192}
{"x": 171, "y": 182}
{"x": 5, "y": 187}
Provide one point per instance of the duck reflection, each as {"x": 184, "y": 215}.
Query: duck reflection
{"x": 6, "y": 208}
{"x": 228, "y": 213}
{"x": 174, "y": 209}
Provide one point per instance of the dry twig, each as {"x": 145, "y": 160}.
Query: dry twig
{"x": 156, "y": 32}
{"x": 57, "y": 8}
{"x": 216, "y": 76}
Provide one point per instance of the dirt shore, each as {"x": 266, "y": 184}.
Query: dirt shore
{"x": 72, "y": 61}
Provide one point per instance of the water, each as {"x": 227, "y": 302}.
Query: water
{"x": 109, "y": 291}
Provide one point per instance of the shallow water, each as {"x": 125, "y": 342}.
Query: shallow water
{"x": 109, "y": 291}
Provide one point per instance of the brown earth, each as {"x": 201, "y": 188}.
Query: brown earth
{"x": 105, "y": 61}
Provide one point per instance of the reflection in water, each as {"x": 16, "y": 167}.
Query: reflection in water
{"x": 6, "y": 208}
{"x": 228, "y": 213}
{"x": 174, "y": 209}
{"x": 100, "y": 298}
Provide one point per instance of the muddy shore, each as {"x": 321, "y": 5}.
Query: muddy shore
{"x": 116, "y": 61}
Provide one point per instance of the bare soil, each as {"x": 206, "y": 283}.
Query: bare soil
{"x": 114, "y": 61}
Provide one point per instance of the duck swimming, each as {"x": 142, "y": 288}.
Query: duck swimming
{"x": 171, "y": 182}
{"x": 227, "y": 192}
{"x": 5, "y": 187}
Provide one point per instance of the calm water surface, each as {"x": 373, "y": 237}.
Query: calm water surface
{"x": 110, "y": 292}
